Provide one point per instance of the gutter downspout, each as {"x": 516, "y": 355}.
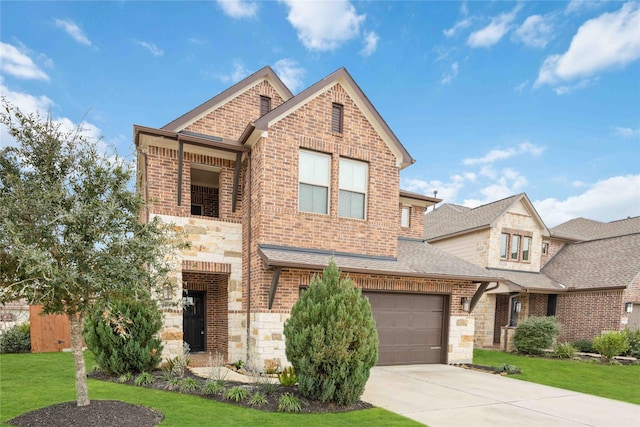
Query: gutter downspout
{"x": 249, "y": 254}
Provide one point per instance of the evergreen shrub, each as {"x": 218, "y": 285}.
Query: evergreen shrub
{"x": 16, "y": 339}
{"x": 536, "y": 334}
{"x": 121, "y": 335}
{"x": 331, "y": 339}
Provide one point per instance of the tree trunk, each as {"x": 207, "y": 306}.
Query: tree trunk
{"x": 82, "y": 391}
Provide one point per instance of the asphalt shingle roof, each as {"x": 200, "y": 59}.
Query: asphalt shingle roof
{"x": 450, "y": 219}
{"x": 611, "y": 262}
{"x": 415, "y": 259}
{"x": 529, "y": 279}
{"x": 588, "y": 229}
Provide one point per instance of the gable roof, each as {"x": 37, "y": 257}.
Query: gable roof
{"x": 530, "y": 280}
{"x": 448, "y": 220}
{"x": 602, "y": 263}
{"x": 588, "y": 229}
{"x": 255, "y": 129}
{"x": 415, "y": 259}
{"x": 226, "y": 95}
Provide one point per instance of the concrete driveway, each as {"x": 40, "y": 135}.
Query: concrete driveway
{"x": 441, "y": 395}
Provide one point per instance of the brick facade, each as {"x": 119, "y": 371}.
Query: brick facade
{"x": 585, "y": 315}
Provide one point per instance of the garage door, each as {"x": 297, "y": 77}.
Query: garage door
{"x": 409, "y": 327}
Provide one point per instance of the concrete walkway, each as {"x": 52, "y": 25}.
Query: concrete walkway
{"x": 440, "y": 395}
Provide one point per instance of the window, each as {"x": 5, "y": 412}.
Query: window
{"x": 405, "y": 216}
{"x": 196, "y": 209}
{"x": 526, "y": 245}
{"x": 504, "y": 242}
{"x": 336, "y": 117}
{"x": 265, "y": 105}
{"x": 545, "y": 248}
{"x": 515, "y": 245}
{"x": 314, "y": 182}
{"x": 353, "y": 188}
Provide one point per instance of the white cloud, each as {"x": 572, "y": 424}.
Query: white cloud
{"x": 613, "y": 198}
{"x": 509, "y": 183}
{"x": 370, "y": 43}
{"x": 238, "y": 73}
{"x": 497, "y": 155}
{"x": 19, "y": 65}
{"x": 579, "y": 5}
{"x": 290, "y": 73}
{"x": 151, "y": 47}
{"x": 535, "y": 31}
{"x": 521, "y": 86}
{"x": 324, "y": 25}
{"x": 238, "y": 9}
{"x": 450, "y": 74}
{"x": 492, "y": 33}
{"x": 447, "y": 191}
{"x": 460, "y": 25}
{"x": 626, "y": 132}
{"x": 612, "y": 40}
{"x": 578, "y": 184}
{"x": 73, "y": 30}
{"x": 41, "y": 105}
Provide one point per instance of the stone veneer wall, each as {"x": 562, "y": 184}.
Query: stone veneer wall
{"x": 216, "y": 247}
{"x": 484, "y": 313}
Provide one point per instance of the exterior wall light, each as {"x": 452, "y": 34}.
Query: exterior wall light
{"x": 628, "y": 307}
{"x": 465, "y": 303}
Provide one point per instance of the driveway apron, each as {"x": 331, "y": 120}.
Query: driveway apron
{"x": 441, "y": 395}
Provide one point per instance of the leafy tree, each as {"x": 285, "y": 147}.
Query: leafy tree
{"x": 332, "y": 341}
{"x": 69, "y": 227}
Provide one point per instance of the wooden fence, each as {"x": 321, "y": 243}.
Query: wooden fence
{"x": 49, "y": 332}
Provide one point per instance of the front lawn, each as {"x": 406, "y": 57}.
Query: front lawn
{"x": 613, "y": 381}
{"x": 32, "y": 381}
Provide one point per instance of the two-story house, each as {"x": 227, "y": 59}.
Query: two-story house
{"x": 585, "y": 273}
{"x": 268, "y": 187}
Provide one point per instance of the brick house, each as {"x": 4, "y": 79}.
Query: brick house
{"x": 268, "y": 187}
{"x": 585, "y": 284}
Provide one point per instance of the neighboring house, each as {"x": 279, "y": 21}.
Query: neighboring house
{"x": 591, "y": 269}
{"x": 268, "y": 187}
{"x": 13, "y": 313}
{"x": 598, "y": 263}
{"x": 505, "y": 237}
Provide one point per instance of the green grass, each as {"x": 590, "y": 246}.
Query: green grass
{"x": 32, "y": 381}
{"x": 620, "y": 382}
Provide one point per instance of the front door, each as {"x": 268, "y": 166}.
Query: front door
{"x": 193, "y": 321}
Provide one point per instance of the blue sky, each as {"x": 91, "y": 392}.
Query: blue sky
{"x": 491, "y": 98}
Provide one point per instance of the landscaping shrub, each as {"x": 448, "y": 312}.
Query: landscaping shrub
{"x": 536, "y": 334}
{"x": 121, "y": 336}
{"x": 287, "y": 377}
{"x": 508, "y": 369}
{"x": 611, "y": 344}
{"x": 564, "y": 351}
{"x": 584, "y": 346}
{"x": 16, "y": 339}
{"x": 331, "y": 339}
{"x": 634, "y": 343}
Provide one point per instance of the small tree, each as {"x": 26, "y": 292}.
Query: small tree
{"x": 69, "y": 227}
{"x": 535, "y": 334}
{"x": 331, "y": 339}
{"x": 121, "y": 336}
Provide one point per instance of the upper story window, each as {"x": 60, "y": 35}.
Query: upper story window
{"x": 314, "y": 176}
{"x": 515, "y": 245}
{"x": 405, "y": 216}
{"x": 265, "y": 105}
{"x": 353, "y": 188}
{"x": 205, "y": 192}
{"x": 337, "y": 117}
{"x": 545, "y": 248}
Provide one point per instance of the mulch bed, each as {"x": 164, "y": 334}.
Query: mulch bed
{"x": 100, "y": 413}
{"x": 112, "y": 413}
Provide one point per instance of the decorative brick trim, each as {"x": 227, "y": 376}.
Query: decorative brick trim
{"x": 205, "y": 266}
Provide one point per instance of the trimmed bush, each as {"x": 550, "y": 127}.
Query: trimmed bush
{"x": 634, "y": 343}
{"x": 611, "y": 344}
{"x": 584, "y": 346}
{"x": 16, "y": 339}
{"x": 536, "y": 334}
{"x": 331, "y": 338}
{"x": 121, "y": 336}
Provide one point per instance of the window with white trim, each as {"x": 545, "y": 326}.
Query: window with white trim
{"x": 354, "y": 176}
{"x": 515, "y": 245}
{"x": 504, "y": 244}
{"x": 526, "y": 248}
{"x": 314, "y": 172}
{"x": 405, "y": 216}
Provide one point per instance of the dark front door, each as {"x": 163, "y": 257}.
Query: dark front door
{"x": 193, "y": 321}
